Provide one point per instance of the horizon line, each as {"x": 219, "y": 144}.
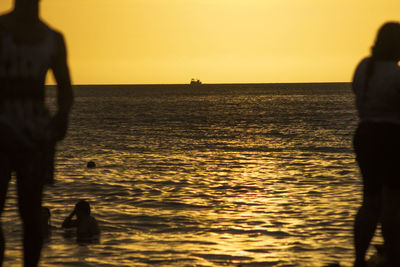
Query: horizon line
{"x": 171, "y": 84}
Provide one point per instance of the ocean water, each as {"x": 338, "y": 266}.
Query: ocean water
{"x": 217, "y": 175}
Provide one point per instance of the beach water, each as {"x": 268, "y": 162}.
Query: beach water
{"x": 215, "y": 175}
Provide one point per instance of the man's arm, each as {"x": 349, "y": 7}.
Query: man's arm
{"x": 68, "y": 222}
{"x": 64, "y": 89}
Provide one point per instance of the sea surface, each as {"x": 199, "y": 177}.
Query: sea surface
{"x": 211, "y": 175}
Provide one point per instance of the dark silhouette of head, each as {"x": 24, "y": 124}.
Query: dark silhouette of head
{"x": 82, "y": 208}
{"x": 27, "y": 2}
{"x": 91, "y": 165}
{"x": 387, "y": 43}
{"x": 27, "y": 9}
{"x": 386, "y": 47}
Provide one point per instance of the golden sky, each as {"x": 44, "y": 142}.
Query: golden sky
{"x": 217, "y": 41}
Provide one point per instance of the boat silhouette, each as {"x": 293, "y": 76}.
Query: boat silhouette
{"x": 195, "y": 82}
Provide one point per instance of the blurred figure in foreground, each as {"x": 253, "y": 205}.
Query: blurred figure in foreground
{"x": 28, "y": 132}
{"x": 87, "y": 228}
{"x": 376, "y": 85}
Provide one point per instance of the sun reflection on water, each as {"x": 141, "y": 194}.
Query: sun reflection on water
{"x": 256, "y": 180}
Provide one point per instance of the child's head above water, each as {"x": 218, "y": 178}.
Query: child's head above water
{"x": 82, "y": 208}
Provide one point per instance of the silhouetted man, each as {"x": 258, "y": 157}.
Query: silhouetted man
{"x": 87, "y": 228}
{"x": 28, "y": 133}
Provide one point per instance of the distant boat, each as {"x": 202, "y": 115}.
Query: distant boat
{"x": 195, "y": 82}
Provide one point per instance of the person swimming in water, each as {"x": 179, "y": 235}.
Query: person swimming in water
{"x": 87, "y": 228}
{"x": 28, "y": 131}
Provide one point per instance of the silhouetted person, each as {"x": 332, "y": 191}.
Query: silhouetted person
{"x": 376, "y": 85}
{"x": 91, "y": 165}
{"x": 28, "y": 133}
{"x": 87, "y": 228}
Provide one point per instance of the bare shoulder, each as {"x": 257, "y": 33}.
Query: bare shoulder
{"x": 58, "y": 35}
{"x": 94, "y": 225}
{"x": 59, "y": 42}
